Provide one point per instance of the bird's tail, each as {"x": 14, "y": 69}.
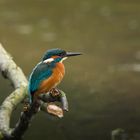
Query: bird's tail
{"x": 30, "y": 96}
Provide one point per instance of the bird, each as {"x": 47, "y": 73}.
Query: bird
{"x": 48, "y": 73}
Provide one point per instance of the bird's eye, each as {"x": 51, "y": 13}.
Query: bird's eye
{"x": 62, "y": 53}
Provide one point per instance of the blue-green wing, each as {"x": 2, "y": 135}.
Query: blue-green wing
{"x": 40, "y": 72}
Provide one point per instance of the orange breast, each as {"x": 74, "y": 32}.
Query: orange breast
{"x": 54, "y": 80}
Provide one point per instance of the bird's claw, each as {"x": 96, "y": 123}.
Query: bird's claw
{"x": 55, "y": 92}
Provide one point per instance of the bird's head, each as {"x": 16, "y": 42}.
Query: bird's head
{"x": 58, "y": 54}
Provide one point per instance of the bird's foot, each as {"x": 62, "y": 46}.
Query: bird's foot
{"x": 60, "y": 96}
{"x": 54, "y": 92}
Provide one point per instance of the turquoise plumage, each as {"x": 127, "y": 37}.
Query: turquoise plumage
{"x": 40, "y": 72}
{"x": 48, "y": 73}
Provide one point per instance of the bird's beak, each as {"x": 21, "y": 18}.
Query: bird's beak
{"x": 69, "y": 54}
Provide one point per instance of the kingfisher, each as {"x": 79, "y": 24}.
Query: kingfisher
{"x": 48, "y": 73}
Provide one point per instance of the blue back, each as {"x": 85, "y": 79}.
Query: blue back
{"x": 41, "y": 72}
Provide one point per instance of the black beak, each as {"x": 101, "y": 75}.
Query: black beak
{"x": 69, "y": 54}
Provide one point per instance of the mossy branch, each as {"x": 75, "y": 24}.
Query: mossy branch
{"x": 11, "y": 71}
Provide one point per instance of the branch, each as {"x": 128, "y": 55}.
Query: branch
{"x": 11, "y": 71}
{"x": 55, "y": 95}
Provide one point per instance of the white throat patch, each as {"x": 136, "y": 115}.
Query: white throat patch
{"x": 48, "y": 60}
{"x": 63, "y": 59}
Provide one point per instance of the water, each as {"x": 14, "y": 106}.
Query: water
{"x": 102, "y": 85}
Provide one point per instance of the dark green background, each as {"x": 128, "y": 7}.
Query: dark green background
{"x": 103, "y": 85}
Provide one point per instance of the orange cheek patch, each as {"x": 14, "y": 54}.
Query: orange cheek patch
{"x": 55, "y": 57}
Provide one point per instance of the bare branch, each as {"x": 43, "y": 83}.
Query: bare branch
{"x": 55, "y": 95}
{"x": 9, "y": 105}
{"x": 11, "y": 71}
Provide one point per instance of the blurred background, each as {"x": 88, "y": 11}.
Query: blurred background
{"x": 103, "y": 85}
